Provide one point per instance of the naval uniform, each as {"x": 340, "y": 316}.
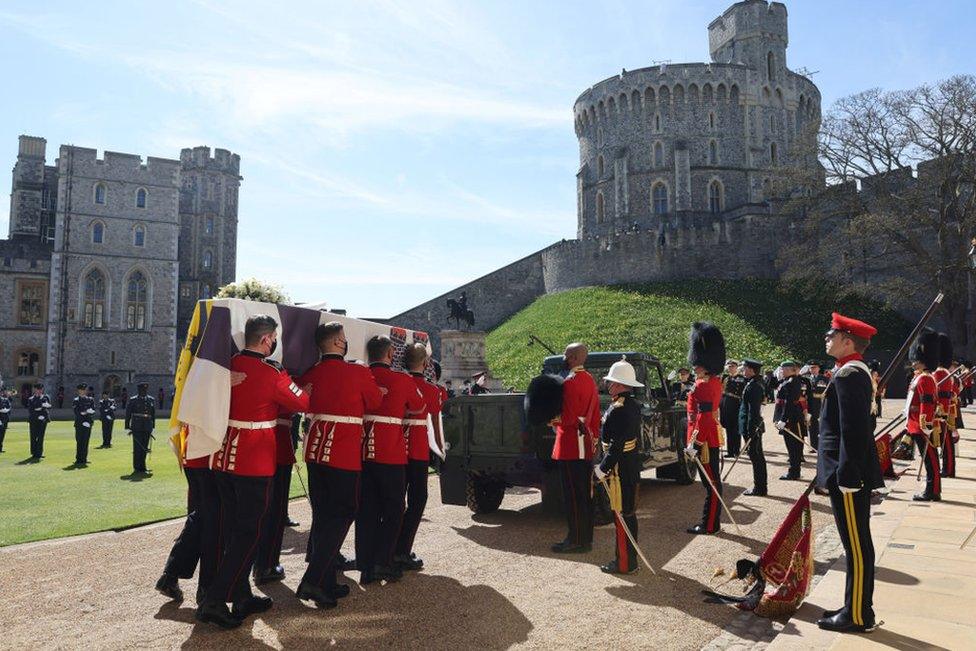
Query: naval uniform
{"x": 752, "y": 427}
{"x": 621, "y": 462}
{"x": 847, "y": 459}
{"x": 37, "y": 420}
{"x": 4, "y": 418}
{"x": 789, "y": 410}
{"x": 703, "y": 433}
{"x": 84, "y": 410}
{"x": 106, "y": 413}
{"x": 342, "y": 393}
{"x": 732, "y": 388}
{"x": 140, "y": 419}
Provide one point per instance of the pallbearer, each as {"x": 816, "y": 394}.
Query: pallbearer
{"x": 267, "y": 564}
{"x": 751, "y": 424}
{"x": 621, "y": 463}
{"x": 706, "y": 355}
{"x": 920, "y": 404}
{"x": 847, "y": 466}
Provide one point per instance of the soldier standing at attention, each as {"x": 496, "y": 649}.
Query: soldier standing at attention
{"x": 706, "y": 353}
{"x": 4, "y": 414}
{"x": 37, "y": 417}
{"x": 124, "y": 397}
{"x": 751, "y": 424}
{"x": 84, "y": 408}
{"x": 140, "y": 420}
{"x": 384, "y": 467}
{"x": 106, "y": 413}
{"x": 818, "y": 384}
{"x": 418, "y": 455}
{"x": 945, "y": 409}
{"x": 621, "y": 463}
{"x": 732, "y": 385}
{"x": 684, "y": 385}
{"x": 576, "y": 429}
{"x": 848, "y": 467}
{"x": 788, "y": 414}
{"x": 60, "y": 397}
{"x": 243, "y": 467}
{"x": 921, "y": 405}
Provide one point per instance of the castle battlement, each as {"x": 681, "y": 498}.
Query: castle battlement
{"x": 200, "y": 158}
{"x": 117, "y": 166}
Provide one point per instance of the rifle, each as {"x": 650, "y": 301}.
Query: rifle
{"x": 898, "y": 420}
{"x": 535, "y": 340}
{"x": 903, "y": 351}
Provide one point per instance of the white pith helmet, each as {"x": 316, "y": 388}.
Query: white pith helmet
{"x": 623, "y": 373}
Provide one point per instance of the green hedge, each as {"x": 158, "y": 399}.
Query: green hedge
{"x": 761, "y": 319}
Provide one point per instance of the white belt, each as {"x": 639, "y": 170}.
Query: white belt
{"x": 415, "y": 422}
{"x": 284, "y": 421}
{"x": 389, "y": 420}
{"x": 332, "y": 418}
{"x": 251, "y": 424}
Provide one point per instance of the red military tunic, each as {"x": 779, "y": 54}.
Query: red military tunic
{"x": 418, "y": 447}
{"x": 386, "y": 436}
{"x": 922, "y": 396}
{"x": 342, "y": 392}
{"x": 943, "y": 391}
{"x": 249, "y": 446}
{"x": 703, "y": 404}
{"x": 579, "y": 423}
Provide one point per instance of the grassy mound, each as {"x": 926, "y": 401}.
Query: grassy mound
{"x": 760, "y": 319}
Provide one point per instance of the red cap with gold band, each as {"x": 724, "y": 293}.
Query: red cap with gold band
{"x": 841, "y": 323}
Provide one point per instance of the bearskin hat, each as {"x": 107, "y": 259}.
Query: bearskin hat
{"x": 544, "y": 399}
{"x": 706, "y": 347}
{"x": 945, "y": 350}
{"x": 925, "y": 349}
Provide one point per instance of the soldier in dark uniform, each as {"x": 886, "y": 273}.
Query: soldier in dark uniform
{"x": 621, "y": 465}
{"x": 684, "y": 385}
{"x": 4, "y": 414}
{"x": 140, "y": 419}
{"x": 732, "y": 385}
{"x": 751, "y": 423}
{"x": 788, "y": 414}
{"x": 60, "y": 397}
{"x": 848, "y": 467}
{"x": 37, "y": 417}
{"x": 84, "y": 408}
{"x": 106, "y": 413}
{"x": 818, "y": 384}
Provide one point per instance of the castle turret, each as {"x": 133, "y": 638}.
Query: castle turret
{"x": 27, "y": 194}
{"x": 751, "y": 33}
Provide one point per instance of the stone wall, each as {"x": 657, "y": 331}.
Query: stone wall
{"x": 22, "y": 261}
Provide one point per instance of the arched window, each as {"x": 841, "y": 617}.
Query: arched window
{"x": 660, "y": 197}
{"x": 600, "y": 209}
{"x": 99, "y": 193}
{"x": 141, "y": 198}
{"x": 98, "y": 232}
{"x": 28, "y": 363}
{"x": 135, "y": 302}
{"x": 208, "y": 226}
{"x": 139, "y": 235}
{"x": 94, "y": 306}
{"x": 657, "y": 122}
{"x": 772, "y": 153}
{"x": 712, "y": 153}
{"x": 711, "y": 120}
{"x": 658, "y": 155}
{"x": 715, "y": 197}
{"x": 599, "y": 166}
{"x": 208, "y": 259}
{"x": 770, "y": 66}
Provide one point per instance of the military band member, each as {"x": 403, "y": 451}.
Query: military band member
{"x": 946, "y": 401}
{"x": 576, "y": 427}
{"x": 621, "y": 465}
{"x": 418, "y": 455}
{"x": 4, "y": 414}
{"x": 384, "y": 466}
{"x": 140, "y": 420}
{"x": 342, "y": 393}
{"x": 788, "y": 415}
{"x": 733, "y": 384}
{"x": 684, "y": 385}
{"x": 751, "y": 424}
{"x": 706, "y": 354}
{"x": 244, "y": 466}
{"x": 106, "y": 414}
{"x": 848, "y": 467}
{"x": 921, "y": 402}
{"x": 37, "y": 418}
{"x": 83, "y": 407}
{"x": 818, "y": 384}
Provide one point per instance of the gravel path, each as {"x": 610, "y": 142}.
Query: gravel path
{"x": 490, "y": 582}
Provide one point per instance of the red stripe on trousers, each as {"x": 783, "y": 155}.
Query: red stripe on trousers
{"x": 623, "y": 555}
{"x": 713, "y": 508}
{"x": 934, "y": 469}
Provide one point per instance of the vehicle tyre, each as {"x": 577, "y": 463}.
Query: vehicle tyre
{"x": 484, "y": 494}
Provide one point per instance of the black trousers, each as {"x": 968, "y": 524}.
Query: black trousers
{"x": 380, "y": 515}
{"x": 140, "y": 448}
{"x": 3, "y": 431}
{"x": 794, "y": 448}
{"x": 625, "y": 553}
{"x": 82, "y": 436}
{"x": 416, "y": 502}
{"x": 933, "y": 481}
{"x": 712, "y": 510}
{"x": 758, "y": 459}
{"x": 948, "y": 455}
{"x": 813, "y": 429}
{"x": 244, "y": 504}
{"x": 335, "y": 502}
{"x": 198, "y": 539}
{"x": 37, "y": 428}
{"x": 107, "y": 424}
{"x": 852, "y": 514}
{"x": 269, "y": 547}
{"x": 578, "y": 497}
{"x": 729, "y": 417}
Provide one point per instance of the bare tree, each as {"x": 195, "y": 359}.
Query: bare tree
{"x": 898, "y": 212}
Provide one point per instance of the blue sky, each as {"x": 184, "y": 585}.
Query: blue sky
{"x": 393, "y": 150}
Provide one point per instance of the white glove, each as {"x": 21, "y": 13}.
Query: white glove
{"x": 780, "y": 425}
{"x": 4, "y": 411}
{"x": 46, "y": 405}
{"x": 40, "y": 418}
{"x": 447, "y": 446}
{"x": 845, "y": 489}
{"x": 90, "y": 411}
{"x": 86, "y": 424}
{"x": 690, "y": 450}
{"x": 108, "y": 417}
{"x": 599, "y": 473}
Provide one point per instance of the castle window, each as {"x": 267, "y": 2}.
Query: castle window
{"x": 770, "y": 66}
{"x": 658, "y": 155}
{"x": 657, "y": 122}
{"x": 711, "y": 120}
{"x": 28, "y": 363}
{"x": 715, "y": 197}
{"x": 599, "y": 166}
{"x": 94, "y": 309}
{"x": 98, "y": 232}
{"x": 100, "y": 192}
{"x": 208, "y": 224}
{"x": 772, "y": 153}
{"x": 8, "y": 261}
{"x": 141, "y": 198}
{"x": 660, "y": 196}
{"x": 139, "y": 236}
{"x": 208, "y": 260}
{"x": 712, "y": 153}
{"x": 32, "y": 295}
{"x": 135, "y": 302}
{"x": 600, "y": 209}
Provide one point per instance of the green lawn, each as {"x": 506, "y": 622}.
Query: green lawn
{"x": 52, "y": 498}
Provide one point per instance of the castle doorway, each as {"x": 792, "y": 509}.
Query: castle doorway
{"x": 112, "y": 386}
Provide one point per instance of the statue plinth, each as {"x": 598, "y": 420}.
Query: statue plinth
{"x": 463, "y": 357}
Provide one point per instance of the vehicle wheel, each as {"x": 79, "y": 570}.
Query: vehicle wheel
{"x": 602, "y": 514}
{"x": 484, "y": 495}
{"x": 685, "y": 470}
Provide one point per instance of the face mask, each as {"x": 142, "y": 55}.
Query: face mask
{"x": 345, "y": 348}
{"x": 274, "y": 346}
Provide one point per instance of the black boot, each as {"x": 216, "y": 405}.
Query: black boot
{"x": 269, "y": 575}
{"x": 388, "y": 573}
{"x": 842, "y": 623}
{"x": 613, "y": 568}
{"x": 169, "y": 586}
{"x": 251, "y": 606}
{"x": 699, "y": 529}
{"x": 408, "y": 563}
{"x": 217, "y": 613}
{"x": 314, "y": 593}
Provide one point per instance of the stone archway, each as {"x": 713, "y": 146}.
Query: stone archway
{"x": 112, "y": 386}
